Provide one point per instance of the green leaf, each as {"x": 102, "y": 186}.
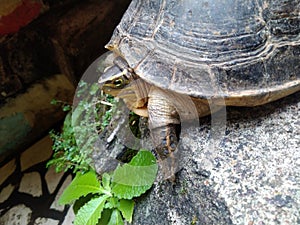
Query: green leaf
{"x": 116, "y": 218}
{"x": 126, "y": 207}
{"x": 143, "y": 158}
{"x": 81, "y": 202}
{"x": 90, "y": 213}
{"x": 66, "y": 108}
{"x": 81, "y": 186}
{"x": 53, "y": 102}
{"x": 136, "y": 177}
{"x": 106, "y": 181}
{"x": 67, "y": 121}
{"x": 112, "y": 203}
{"x": 105, "y": 217}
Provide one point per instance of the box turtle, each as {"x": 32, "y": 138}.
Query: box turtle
{"x": 228, "y": 52}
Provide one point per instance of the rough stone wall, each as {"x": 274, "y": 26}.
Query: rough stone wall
{"x": 65, "y": 38}
{"x": 41, "y": 40}
{"x": 253, "y": 177}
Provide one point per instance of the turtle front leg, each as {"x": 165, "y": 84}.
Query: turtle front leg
{"x": 164, "y": 124}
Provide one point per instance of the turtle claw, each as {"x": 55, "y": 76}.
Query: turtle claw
{"x": 166, "y": 141}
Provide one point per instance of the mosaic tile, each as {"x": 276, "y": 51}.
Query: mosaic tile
{"x": 46, "y": 221}
{"x": 52, "y": 178}
{"x": 39, "y": 152}
{"x": 18, "y": 215}
{"x": 7, "y": 170}
{"x": 6, "y": 192}
{"x": 31, "y": 184}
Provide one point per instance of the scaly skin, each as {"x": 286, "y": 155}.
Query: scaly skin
{"x": 164, "y": 108}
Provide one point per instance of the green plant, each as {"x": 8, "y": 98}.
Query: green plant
{"x": 67, "y": 154}
{"x": 64, "y": 105}
{"x": 110, "y": 201}
{"x": 74, "y": 144}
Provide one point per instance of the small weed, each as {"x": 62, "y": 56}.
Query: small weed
{"x": 74, "y": 144}
{"x": 194, "y": 220}
{"x": 108, "y": 199}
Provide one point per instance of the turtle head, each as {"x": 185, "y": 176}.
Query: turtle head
{"x": 116, "y": 77}
{"x": 120, "y": 80}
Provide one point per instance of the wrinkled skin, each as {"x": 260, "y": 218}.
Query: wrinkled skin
{"x": 165, "y": 109}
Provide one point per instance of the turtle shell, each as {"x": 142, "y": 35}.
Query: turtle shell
{"x": 214, "y": 48}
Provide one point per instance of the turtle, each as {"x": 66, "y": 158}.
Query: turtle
{"x": 172, "y": 58}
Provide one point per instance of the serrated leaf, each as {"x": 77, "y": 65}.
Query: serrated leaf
{"x": 82, "y": 185}
{"x": 116, "y": 218}
{"x": 90, "y": 213}
{"x": 143, "y": 158}
{"x": 135, "y": 178}
{"x": 126, "y": 207}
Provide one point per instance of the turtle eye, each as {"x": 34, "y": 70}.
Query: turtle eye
{"x": 118, "y": 83}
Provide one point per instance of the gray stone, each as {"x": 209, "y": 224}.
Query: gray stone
{"x": 69, "y": 218}
{"x": 31, "y": 184}
{"x": 239, "y": 166}
{"x": 249, "y": 173}
{"x": 45, "y": 221}
{"x": 17, "y": 215}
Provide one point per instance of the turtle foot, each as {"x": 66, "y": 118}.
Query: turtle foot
{"x": 166, "y": 141}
